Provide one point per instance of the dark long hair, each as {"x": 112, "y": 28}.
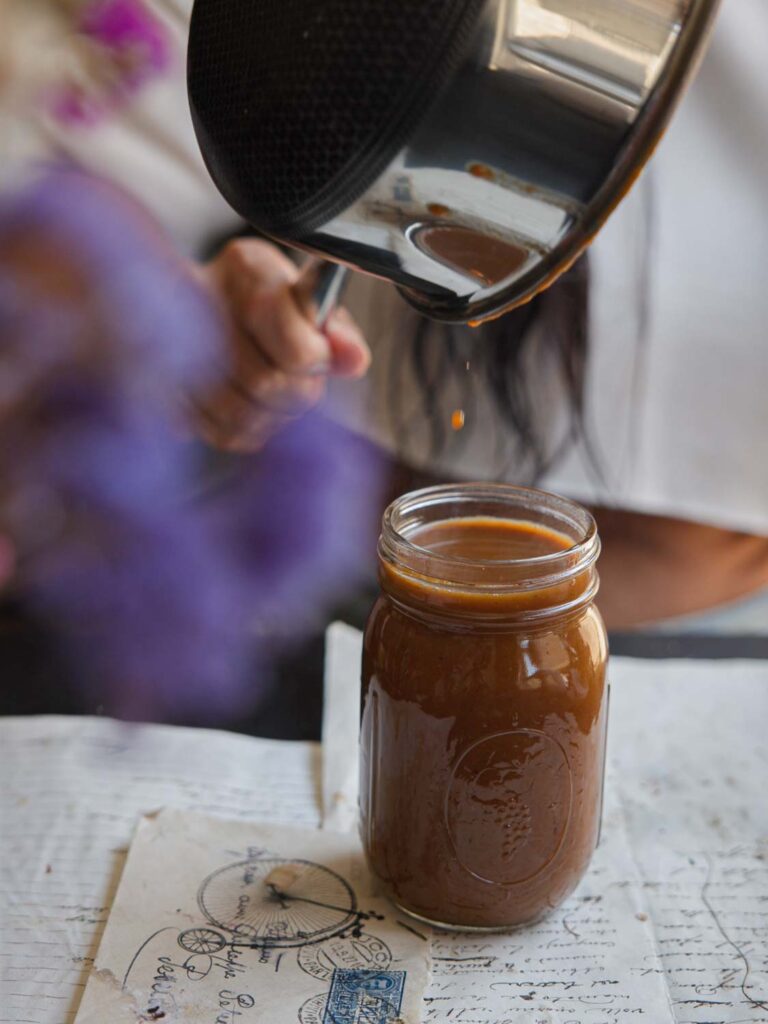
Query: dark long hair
{"x": 556, "y": 324}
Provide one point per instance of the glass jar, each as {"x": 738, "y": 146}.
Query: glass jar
{"x": 484, "y": 705}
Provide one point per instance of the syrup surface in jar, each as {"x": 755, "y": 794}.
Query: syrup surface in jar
{"x": 489, "y": 538}
{"x": 483, "y": 727}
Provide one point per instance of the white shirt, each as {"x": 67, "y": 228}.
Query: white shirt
{"x": 701, "y": 422}
{"x": 677, "y": 407}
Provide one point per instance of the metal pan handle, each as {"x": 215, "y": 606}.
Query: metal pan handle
{"x": 319, "y": 289}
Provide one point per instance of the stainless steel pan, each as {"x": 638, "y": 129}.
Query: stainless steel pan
{"x": 545, "y": 119}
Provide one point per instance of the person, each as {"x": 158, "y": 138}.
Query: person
{"x": 639, "y": 390}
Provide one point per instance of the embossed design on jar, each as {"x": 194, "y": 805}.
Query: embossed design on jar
{"x": 508, "y": 805}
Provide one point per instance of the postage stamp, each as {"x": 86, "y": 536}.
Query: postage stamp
{"x": 364, "y": 997}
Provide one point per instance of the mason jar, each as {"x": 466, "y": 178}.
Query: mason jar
{"x": 484, "y": 705}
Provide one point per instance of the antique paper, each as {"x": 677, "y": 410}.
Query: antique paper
{"x": 218, "y": 923}
{"x": 670, "y": 924}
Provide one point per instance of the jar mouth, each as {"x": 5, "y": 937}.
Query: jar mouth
{"x": 412, "y": 512}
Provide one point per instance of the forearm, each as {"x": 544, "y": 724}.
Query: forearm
{"x": 654, "y": 568}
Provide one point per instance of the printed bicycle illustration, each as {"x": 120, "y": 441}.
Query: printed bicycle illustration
{"x": 271, "y": 903}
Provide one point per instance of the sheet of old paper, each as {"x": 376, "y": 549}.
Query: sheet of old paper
{"x": 685, "y": 845}
{"x": 71, "y": 793}
{"x": 671, "y": 922}
{"x": 228, "y": 923}
{"x": 690, "y": 769}
{"x": 341, "y": 723}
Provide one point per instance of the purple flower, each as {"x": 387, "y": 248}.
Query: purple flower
{"x": 158, "y": 584}
{"x": 134, "y": 47}
{"x": 128, "y": 29}
{"x": 73, "y": 106}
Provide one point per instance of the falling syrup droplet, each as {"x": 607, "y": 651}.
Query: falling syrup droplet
{"x": 457, "y": 419}
{"x": 482, "y": 171}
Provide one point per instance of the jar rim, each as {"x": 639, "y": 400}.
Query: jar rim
{"x": 567, "y": 517}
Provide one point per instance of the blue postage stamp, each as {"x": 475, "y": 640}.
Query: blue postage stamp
{"x": 364, "y": 997}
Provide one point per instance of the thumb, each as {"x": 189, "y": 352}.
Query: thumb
{"x": 350, "y": 355}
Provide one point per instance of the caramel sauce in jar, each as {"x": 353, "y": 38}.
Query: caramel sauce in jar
{"x": 484, "y": 705}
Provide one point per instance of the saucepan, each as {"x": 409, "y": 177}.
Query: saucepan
{"x": 466, "y": 150}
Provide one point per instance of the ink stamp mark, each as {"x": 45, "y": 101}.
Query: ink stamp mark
{"x": 345, "y": 951}
{"x": 313, "y": 1010}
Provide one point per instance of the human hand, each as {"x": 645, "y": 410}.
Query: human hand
{"x": 277, "y": 362}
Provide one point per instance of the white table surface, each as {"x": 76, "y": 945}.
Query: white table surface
{"x": 688, "y": 781}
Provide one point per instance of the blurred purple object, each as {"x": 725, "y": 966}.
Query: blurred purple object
{"x": 127, "y": 27}
{"x": 315, "y": 497}
{"x": 136, "y": 48}
{"x": 160, "y": 597}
